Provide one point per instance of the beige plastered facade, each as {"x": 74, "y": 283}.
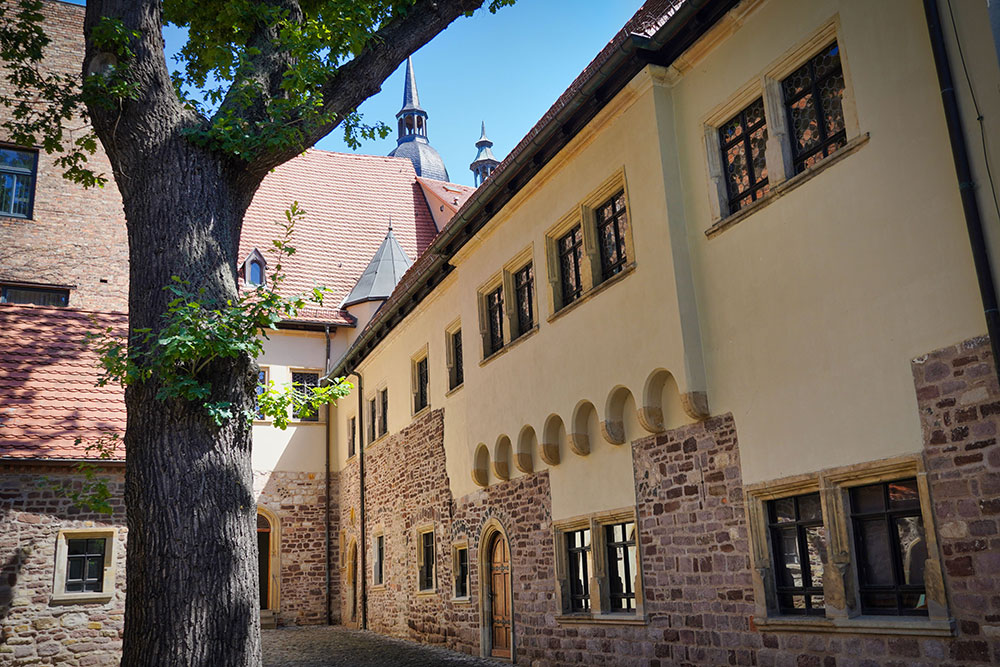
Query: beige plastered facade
{"x": 800, "y": 318}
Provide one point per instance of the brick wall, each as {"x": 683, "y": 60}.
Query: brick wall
{"x": 299, "y": 501}
{"x": 93, "y": 256}
{"x": 32, "y": 629}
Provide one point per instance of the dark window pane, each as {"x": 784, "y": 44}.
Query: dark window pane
{"x": 577, "y": 551}
{"x": 876, "y": 558}
{"x": 35, "y": 296}
{"x": 743, "y": 155}
{"x": 458, "y": 370}
{"x": 462, "y": 578}
{"x": 789, "y": 563}
{"x": 810, "y": 508}
{"x": 798, "y": 545}
{"x": 383, "y": 418}
{"x": 903, "y": 495}
{"x": 814, "y": 100}
{"x": 612, "y": 221}
{"x": 865, "y": 499}
{"x": 524, "y": 282}
{"x": 77, "y": 547}
{"x": 784, "y": 509}
{"x": 620, "y": 542}
{"x": 372, "y": 417}
{"x": 570, "y": 249}
{"x": 420, "y": 400}
{"x": 494, "y": 315}
{"x": 76, "y": 567}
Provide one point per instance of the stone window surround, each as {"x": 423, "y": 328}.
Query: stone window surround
{"x": 455, "y": 548}
{"x": 377, "y": 533}
{"x": 599, "y": 583}
{"x": 505, "y": 279}
{"x": 421, "y": 355}
{"x": 376, "y": 395}
{"x": 352, "y": 428}
{"x": 449, "y": 351}
{"x": 484, "y": 290}
{"x": 839, "y": 567}
{"x": 110, "y": 536}
{"x": 418, "y": 533}
{"x": 778, "y": 151}
{"x": 321, "y": 417}
{"x": 585, "y": 215}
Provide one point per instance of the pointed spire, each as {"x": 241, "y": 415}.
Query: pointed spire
{"x": 383, "y": 273}
{"x": 483, "y": 136}
{"x": 485, "y": 162}
{"x": 411, "y": 101}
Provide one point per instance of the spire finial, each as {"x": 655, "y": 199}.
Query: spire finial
{"x": 410, "y": 98}
{"x": 390, "y": 222}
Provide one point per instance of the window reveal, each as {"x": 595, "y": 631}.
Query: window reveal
{"x": 570, "y": 249}
{"x": 814, "y": 96}
{"x": 524, "y": 286}
{"x": 620, "y": 541}
{"x": 743, "y": 140}
{"x": 578, "y": 567}
{"x": 798, "y": 544}
{"x": 891, "y": 548}
{"x": 494, "y": 319}
{"x": 612, "y": 221}
{"x": 85, "y": 565}
{"x": 302, "y": 382}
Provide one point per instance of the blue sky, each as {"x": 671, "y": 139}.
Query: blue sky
{"x": 505, "y": 68}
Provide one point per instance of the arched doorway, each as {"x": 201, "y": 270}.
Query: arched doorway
{"x": 497, "y": 611}
{"x": 268, "y": 540}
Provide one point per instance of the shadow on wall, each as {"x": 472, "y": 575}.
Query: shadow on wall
{"x": 8, "y": 579}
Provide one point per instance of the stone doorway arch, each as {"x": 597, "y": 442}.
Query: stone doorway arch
{"x": 496, "y": 601}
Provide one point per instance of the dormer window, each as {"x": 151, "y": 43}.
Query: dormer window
{"x": 254, "y": 269}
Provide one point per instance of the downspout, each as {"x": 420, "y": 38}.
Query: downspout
{"x": 966, "y": 185}
{"x": 329, "y": 442}
{"x": 361, "y": 502}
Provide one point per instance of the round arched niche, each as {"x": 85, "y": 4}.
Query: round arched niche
{"x": 552, "y": 436}
{"x": 524, "y": 454}
{"x": 503, "y": 453}
{"x": 664, "y": 408}
{"x": 615, "y": 417}
{"x": 481, "y": 466}
{"x": 579, "y": 438}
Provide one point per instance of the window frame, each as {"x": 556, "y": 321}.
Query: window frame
{"x": 799, "y": 159}
{"x": 319, "y": 417}
{"x": 840, "y": 581}
{"x": 800, "y": 527}
{"x": 59, "y": 594}
{"x": 372, "y": 406}
{"x": 60, "y": 290}
{"x": 352, "y": 436}
{"x": 523, "y": 291}
{"x": 454, "y": 358}
{"x": 456, "y": 549}
{"x": 378, "y": 559}
{"x": 756, "y": 189}
{"x": 266, "y": 372}
{"x": 33, "y": 180}
{"x": 420, "y": 386}
{"x": 422, "y": 560}
{"x": 610, "y": 269}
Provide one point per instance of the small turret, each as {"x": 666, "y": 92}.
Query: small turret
{"x": 485, "y": 162}
{"x": 412, "y": 140}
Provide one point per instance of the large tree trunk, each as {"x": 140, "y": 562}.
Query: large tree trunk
{"x": 192, "y": 595}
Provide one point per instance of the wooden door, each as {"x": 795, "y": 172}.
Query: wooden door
{"x": 500, "y": 612}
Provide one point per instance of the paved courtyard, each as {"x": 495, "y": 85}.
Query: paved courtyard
{"x": 326, "y": 646}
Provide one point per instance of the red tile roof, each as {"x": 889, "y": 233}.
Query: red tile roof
{"x": 452, "y": 195}
{"x": 48, "y": 373}
{"x": 348, "y": 200}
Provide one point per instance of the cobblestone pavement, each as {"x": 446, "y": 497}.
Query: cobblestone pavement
{"x": 333, "y": 646}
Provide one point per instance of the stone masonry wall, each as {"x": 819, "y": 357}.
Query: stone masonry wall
{"x": 299, "y": 501}
{"x": 94, "y": 256}
{"x": 33, "y": 630}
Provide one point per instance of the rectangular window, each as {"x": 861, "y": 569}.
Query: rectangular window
{"x": 420, "y": 394}
{"x": 85, "y": 565}
{"x": 814, "y": 96}
{"x": 372, "y": 419}
{"x": 258, "y": 390}
{"x": 619, "y": 539}
{"x": 378, "y": 564}
{"x": 798, "y": 544}
{"x": 743, "y": 140}
{"x": 426, "y": 561}
{"x": 494, "y": 320}
{"x": 612, "y": 224}
{"x": 352, "y": 429}
{"x": 17, "y": 182}
{"x": 36, "y": 296}
{"x": 891, "y": 548}
{"x": 462, "y": 572}
{"x": 457, "y": 368}
{"x": 524, "y": 288}
{"x": 578, "y": 568}
{"x": 383, "y": 417}
{"x": 570, "y": 249}
{"x": 302, "y": 382}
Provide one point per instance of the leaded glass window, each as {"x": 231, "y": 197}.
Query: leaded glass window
{"x": 258, "y": 390}
{"x": 17, "y": 181}
{"x": 743, "y": 140}
{"x": 891, "y": 548}
{"x": 612, "y": 223}
{"x": 799, "y": 545}
{"x": 814, "y": 97}
{"x": 620, "y": 542}
{"x": 578, "y": 568}
{"x": 85, "y": 565}
{"x": 494, "y": 319}
{"x": 420, "y": 396}
{"x": 302, "y": 382}
{"x": 524, "y": 287}
{"x": 383, "y": 417}
{"x": 426, "y": 575}
{"x": 570, "y": 248}
{"x": 457, "y": 367}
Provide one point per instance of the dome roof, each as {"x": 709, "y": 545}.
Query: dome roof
{"x": 426, "y": 161}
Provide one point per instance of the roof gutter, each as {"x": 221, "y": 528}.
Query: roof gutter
{"x": 502, "y": 186}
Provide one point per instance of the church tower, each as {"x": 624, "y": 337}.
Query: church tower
{"x": 485, "y": 163}
{"x": 412, "y": 141}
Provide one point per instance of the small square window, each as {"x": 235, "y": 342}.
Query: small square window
{"x": 425, "y": 558}
{"x": 799, "y": 546}
{"x": 814, "y": 96}
{"x": 302, "y": 382}
{"x": 85, "y": 565}
{"x": 524, "y": 299}
{"x": 570, "y": 250}
{"x": 461, "y": 572}
{"x": 17, "y": 182}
